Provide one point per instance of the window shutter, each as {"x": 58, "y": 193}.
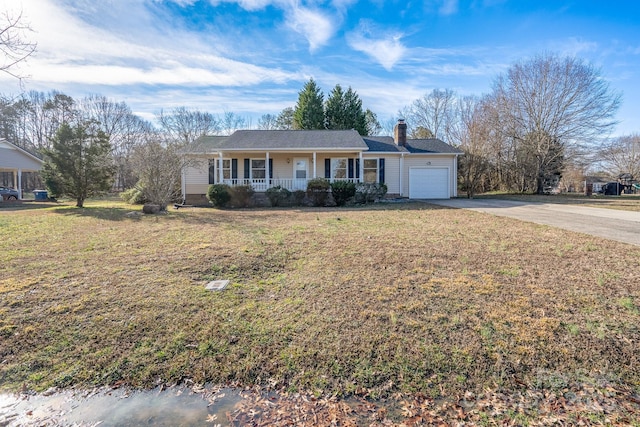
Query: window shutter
{"x": 270, "y": 168}
{"x": 246, "y": 168}
{"x": 381, "y": 171}
{"x": 212, "y": 171}
{"x": 357, "y": 168}
{"x": 234, "y": 168}
{"x": 327, "y": 168}
{"x": 350, "y": 173}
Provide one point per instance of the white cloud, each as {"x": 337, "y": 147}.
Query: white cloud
{"x": 387, "y": 51}
{"x": 249, "y": 5}
{"x": 448, "y": 7}
{"x": 73, "y": 50}
{"x": 314, "y": 25}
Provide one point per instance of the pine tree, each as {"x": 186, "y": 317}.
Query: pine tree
{"x": 335, "y": 116}
{"x": 309, "y": 111}
{"x": 343, "y": 110}
{"x": 78, "y": 164}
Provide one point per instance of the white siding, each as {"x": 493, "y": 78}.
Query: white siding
{"x": 433, "y": 161}
{"x": 197, "y": 177}
{"x": 391, "y": 171}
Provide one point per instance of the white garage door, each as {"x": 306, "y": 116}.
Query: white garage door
{"x": 429, "y": 183}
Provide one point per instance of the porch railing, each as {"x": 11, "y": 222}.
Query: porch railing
{"x": 291, "y": 184}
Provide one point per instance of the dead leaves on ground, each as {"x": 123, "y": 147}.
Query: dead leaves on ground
{"x": 604, "y": 404}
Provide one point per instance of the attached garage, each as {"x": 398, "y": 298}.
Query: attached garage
{"x": 429, "y": 183}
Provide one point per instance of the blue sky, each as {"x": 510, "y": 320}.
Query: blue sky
{"x": 251, "y": 57}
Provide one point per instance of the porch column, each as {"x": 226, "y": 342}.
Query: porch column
{"x": 314, "y": 165}
{"x": 267, "y": 171}
{"x": 361, "y": 172}
{"x": 220, "y": 174}
{"x": 20, "y": 184}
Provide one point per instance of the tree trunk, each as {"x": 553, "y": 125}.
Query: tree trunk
{"x": 79, "y": 202}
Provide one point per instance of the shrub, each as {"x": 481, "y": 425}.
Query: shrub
{"x": 278, "y": 195}
{"x": 370, "y": 192}
{"x": 133, "y": 196}
{"x": 241, "y": 196}
{"x": 298, "y": 197}
{"x": 219, "y": 195}
{"x": 318, "y": 190}
{"x": 342, "y": 191}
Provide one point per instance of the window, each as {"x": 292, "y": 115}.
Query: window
{"x": 339, "y": 168}
{"x": 226, "y": 168}
{"x": 212, "y": 171}
{"x": 258, "y": 169}
{"x": 370, "y": 170}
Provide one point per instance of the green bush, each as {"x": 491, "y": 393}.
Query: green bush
{"x": 342, "y": 191}
{"x": 318, "y": 191}
{"x": 241, "y": 196}
{"x": 219, "y": 195}
{"x": 370, "y": 192}
{"x": 133, "y": 196}
{"x": 278, "y": 196}
{"x": 298, "y": 197}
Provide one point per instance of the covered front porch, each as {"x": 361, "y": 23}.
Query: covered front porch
{"x": 292, "y": 171}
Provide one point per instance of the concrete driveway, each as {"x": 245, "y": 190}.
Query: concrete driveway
{"x": 622, "y": 226}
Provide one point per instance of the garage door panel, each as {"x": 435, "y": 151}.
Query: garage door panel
{"x": 429, "y": 183}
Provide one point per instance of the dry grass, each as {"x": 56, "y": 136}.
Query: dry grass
{"x": 625, "y": 202}
{"x": 409, "y": 298}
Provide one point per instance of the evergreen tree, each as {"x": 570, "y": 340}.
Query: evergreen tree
{"x": 373, "y": 125}
{"x": 78, "y": 164}
{"x": 355, "y": 116}
{"x": 309, "y": 111}
{"x": 285, "y": 119}
{"x": 335, "y": 115}
{"x": 343, "y": 110}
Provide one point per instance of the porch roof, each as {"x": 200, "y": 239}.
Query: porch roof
{"x": 281, "y": 140}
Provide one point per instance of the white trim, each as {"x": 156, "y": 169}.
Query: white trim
{"x": 315, "y": 162}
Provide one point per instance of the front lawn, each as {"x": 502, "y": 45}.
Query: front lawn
{"x": 400, "y": 298}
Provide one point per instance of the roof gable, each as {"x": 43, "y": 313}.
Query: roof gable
{"x": 14, "y": 157}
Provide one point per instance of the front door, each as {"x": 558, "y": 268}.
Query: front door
{"x": 300, "y": 172}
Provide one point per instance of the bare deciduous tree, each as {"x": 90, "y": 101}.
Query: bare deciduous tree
{"x": 124, "y": 129}
{"x": 433, "y": 112}
{"x": 186, "y": 125}
{"x": 472, "y": 132}
{"x": 14, "y": 46}
{"x": 159, "y": 164}
{"x": 547, "y": 104}
{"x": 622, "y": 156}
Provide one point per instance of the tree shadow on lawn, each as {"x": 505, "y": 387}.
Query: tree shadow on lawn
{"x": 110, "y": 213}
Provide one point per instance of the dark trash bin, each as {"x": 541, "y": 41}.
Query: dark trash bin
{"x": 41, "y": 194}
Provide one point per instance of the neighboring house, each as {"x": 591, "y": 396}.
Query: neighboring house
{"x": 14, "y": 161}
{"x": 413, "y": 168}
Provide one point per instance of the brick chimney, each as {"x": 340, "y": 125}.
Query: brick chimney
{"x": 400, "y": 133}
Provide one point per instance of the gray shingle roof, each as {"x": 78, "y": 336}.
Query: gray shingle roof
{"x": 275, "y": 140}
{"x": 431, "y": 145}
{"x": 383, "y": 144}
{"x": 286, "y": 140}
